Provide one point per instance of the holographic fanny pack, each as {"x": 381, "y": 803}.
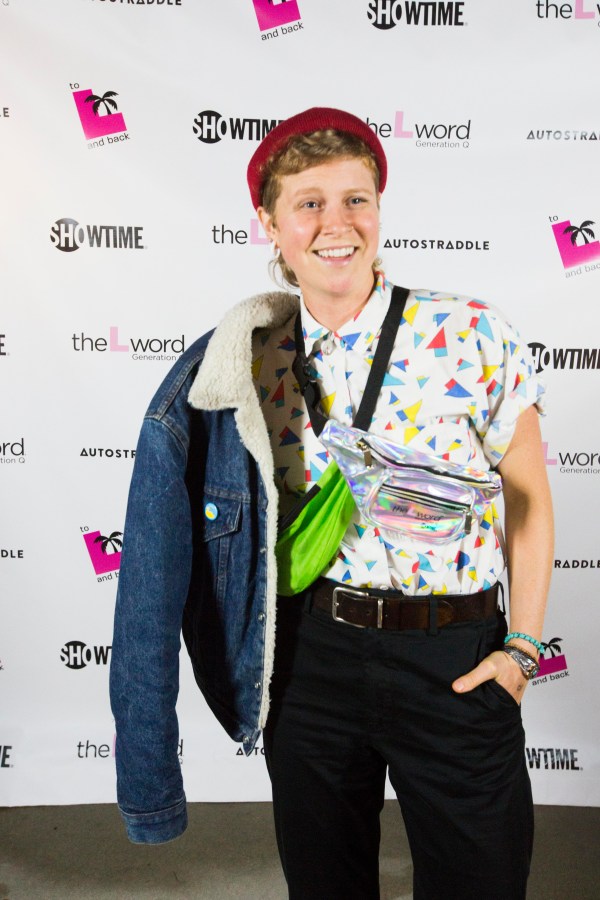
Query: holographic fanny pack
{"x": 404, "y": 490}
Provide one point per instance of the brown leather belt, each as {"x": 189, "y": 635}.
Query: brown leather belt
{"x": 369, "y": 608}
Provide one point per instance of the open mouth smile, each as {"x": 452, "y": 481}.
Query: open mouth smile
{"x": 335, "y": 252}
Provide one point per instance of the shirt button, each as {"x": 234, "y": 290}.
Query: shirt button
{"x": 261, "y": 617}
{"x": 384, "y": 587}
{"x": 327, "y": 347}
{"x": 257, "y": 684}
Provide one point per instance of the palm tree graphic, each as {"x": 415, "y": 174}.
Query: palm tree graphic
{"x": 112, "y": 539}
{"x": 553, "y": 646}
{"x": 584, "y": 230}
{"x": 107, "y": 100}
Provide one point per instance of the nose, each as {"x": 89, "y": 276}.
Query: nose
{"x": 337, "y": 220}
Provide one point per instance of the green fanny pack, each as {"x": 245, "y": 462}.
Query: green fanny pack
{"x": 306, "y": 547}
{"x": 311, "y": 534}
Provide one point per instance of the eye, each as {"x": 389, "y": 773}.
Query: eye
{"x": 310, "y": 204}
{"x": 356, "y": 201}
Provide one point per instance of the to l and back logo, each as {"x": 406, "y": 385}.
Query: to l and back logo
{"x": 275, "y": 13}
{"x": 576, "y": 244}
{"x": 99, "y": 116}
{"x": 553, "y": 663}
{"x": 104, "y": 551}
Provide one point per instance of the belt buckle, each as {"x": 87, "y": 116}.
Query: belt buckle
{"x": 361, "y": 595}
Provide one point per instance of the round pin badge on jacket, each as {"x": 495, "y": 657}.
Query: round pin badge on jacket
{"x": 211, "y": 511}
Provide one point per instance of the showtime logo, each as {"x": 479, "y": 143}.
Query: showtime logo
{"x": 564, "y": 357}
{"x": 276, "y": 13}
{"x": 104, "y": 552}
{"x": 432, "y": 135}
{"x": 552, "y": 758}
{"x": 386, "y": 14}
{"x": 99, "y": 117}
{"x": 77, "y": 655}
{"x": 210, "y": 127}
{"x": 68, "y": 235}
{"x": 579, "y": 251}
{"x": 148, "y": 348}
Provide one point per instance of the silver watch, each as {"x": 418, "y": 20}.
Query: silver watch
{"x": 528, "y": 665}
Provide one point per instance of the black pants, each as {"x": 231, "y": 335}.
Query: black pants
{"x": 349, "y": 704}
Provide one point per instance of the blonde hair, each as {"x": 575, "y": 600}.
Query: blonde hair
{"x": 303, "y": 152}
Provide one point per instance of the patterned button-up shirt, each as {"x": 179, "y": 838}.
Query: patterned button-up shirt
{"x": 458, "y": 378}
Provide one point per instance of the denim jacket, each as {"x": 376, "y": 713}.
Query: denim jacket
{"x": 198, "y": 558}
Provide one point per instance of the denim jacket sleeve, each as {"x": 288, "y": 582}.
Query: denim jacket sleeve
{"x": 144, "y": 677}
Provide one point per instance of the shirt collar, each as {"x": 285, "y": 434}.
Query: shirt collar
{"x": 359, "y": 332}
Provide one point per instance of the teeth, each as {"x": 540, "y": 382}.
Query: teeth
{"x": 338, "y": 251}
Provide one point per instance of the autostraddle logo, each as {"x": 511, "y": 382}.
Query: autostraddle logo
{"x": 277, "y": 14}
{"x": 68, "y": 235}
{"x": 4, "y": 112}
{"x": 564, "y": 357}
{"x": 553, "y": 662}
{"x": 573, "y": 462}
{"x": 386, "y": 14}
{"x": 3, "y": 350}
{"x": 579, "y": 250}
{"x": 435, "y": 244}
{"x": 143, "y": 2}
{"x": 99, "y": 117}
{"x": 553, "y": 758}
{"x": 427, "y": 135}
{"x": 210, "y": 127}
{"x": 144, "y": 349}
{"x": 106, "y": 453}
{"x": 77, "y": 655}
{"x": 559, "y": 134}
{"x": 582, "y": 9}
{"x": 104, "y": 552}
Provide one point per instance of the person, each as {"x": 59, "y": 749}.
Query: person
{"x": 394, "y": 660}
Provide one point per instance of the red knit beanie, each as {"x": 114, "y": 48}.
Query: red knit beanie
{"x": 318, "y": 118}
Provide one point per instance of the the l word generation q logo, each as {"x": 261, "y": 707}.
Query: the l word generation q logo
{"x": 68, "y": 235}
{"x": 277, "y": 17}
{"x": 145, "y": 349}
{"x": 579, "y": 251}
{"x": 429, "y": 135}
{"x": 385, "y": 14}
{"x": 77, "y": 655}
{"x": 573, "y": 462}
{"x": 580, "y": 9}
{"x": 102, "y": 124}
{"x": 12, "y": 451}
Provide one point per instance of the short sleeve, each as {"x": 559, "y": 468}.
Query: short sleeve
{"x": 514, "y": 387}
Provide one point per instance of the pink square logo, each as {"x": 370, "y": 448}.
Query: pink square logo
{"x": 272, "y": 13}
{"x": 104, "y": 551}
{"x": 576, "y": 243}
{"x": 97, "y": 114}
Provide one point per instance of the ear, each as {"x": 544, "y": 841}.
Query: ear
{"x": 267, "y": 222}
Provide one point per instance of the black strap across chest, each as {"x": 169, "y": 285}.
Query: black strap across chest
{"x": 309, "y": 387}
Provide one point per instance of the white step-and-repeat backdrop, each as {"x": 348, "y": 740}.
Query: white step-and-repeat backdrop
{"x": 127, "y": 231}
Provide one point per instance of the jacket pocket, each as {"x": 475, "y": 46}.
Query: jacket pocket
{"x": 221, "y": 516}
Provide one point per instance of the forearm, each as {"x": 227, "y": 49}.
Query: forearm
{"x": 530, "y": 548}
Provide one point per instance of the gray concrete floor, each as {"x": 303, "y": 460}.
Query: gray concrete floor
{"x": 228, "y": 851}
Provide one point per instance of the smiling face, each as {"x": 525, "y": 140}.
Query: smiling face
{"x": 326, "y": 225}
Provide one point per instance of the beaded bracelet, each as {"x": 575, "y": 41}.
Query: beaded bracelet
{"x": 524, "y": 637}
